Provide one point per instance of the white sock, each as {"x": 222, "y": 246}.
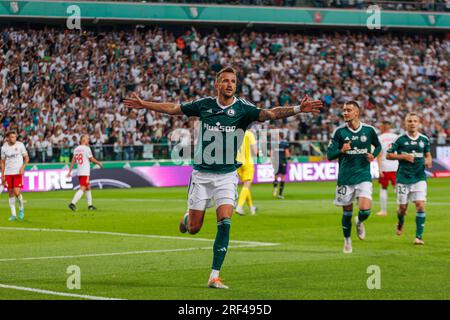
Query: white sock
{"x": 20, "y": 198}
{"x": 383, "y": 199}
{"x": 77, "y": 196}
{"x": 89, "y": 197}
{"x": 214, "y": 274}
{"x": 12, "y": 205}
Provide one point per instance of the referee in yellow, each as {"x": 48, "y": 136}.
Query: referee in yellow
{"x": 245, "y": 155}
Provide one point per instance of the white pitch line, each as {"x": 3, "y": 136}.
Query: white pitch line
{"x": 56, "y": 293}
{"x": 253, "y": 243}
{"x": 117, "y": 253}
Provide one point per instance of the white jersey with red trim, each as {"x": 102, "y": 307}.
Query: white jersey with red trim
{"x": 386, "y": 139}
{"x": 82, "y": 154}
{"x": 13, "y": 156}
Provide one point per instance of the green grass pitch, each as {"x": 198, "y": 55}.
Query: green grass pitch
{"x": 160, "y": 263}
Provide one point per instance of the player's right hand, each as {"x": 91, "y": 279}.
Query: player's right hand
{"x": 409, "y": 157}
{"x": 69, "y": 175}
{"x": 134, "y": 103}
{"x": 347, "y": 146}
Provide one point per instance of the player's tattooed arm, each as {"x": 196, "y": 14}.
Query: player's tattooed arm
{"x": 164, "y": 107}
{"x": 306, "y": 105}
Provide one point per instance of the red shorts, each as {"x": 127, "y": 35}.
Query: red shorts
{"x": 388, "y": 176}
{"x": 84, "y": 181}
{"x": 14, "y": 181}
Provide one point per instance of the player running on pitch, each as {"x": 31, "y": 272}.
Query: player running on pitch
{"x": 352, "y": 144}
{"x": 386, "y": 168}
{"x": 14, "y": 159}
{"x": 281, "y": 149}
{"x": 223, "y": 118}
{"x": 412, "y": 150}
{"x": 82, "y": 155}
{"x": 246, "y": 172}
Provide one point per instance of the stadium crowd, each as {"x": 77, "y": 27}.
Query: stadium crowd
{"x": 56, "y": 85}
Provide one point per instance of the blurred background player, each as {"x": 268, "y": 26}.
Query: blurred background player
{"x": 351, "y": 144}
{"x": 281, "y": 150}
{"x": 387, "y": 168}
{"x": 14, "y": 160}
{"x": 412, "y": 150}
{"x": 82, "y": 155}
{"x": 246, "y": 172}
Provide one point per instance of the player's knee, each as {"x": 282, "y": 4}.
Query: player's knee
{"x": 420, "y": 206}
{"x": 194, "y": 227}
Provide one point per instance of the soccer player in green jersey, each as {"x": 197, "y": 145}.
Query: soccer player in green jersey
{"x": 352, "y": 145}
{"x": 412, "y": 150}
{"x": 223, "y": 119}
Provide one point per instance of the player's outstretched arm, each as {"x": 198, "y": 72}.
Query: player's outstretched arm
{"x": 164, "y": 107}
{"x": 306, "y": 105}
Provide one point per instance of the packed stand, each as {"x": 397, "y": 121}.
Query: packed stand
{"x": 57, "y": 85}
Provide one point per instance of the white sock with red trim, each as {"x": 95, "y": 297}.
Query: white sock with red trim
{"x": 20, "y": 198}
{"x": 12, "y": 205}
{"x": 383, "y": 199}
{"x": 77, "y": 196}
{"x": 89, "y": 197}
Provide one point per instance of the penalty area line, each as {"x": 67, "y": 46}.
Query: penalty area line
{"x": 109, "y": 254}
{"x": 120, "y": 234}
{"x": 56, "y": 293}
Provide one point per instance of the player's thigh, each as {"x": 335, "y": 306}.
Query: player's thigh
{"x": 402, "y": 191}
{"x": 246, "y": 174}
{"x": 418, "y": 192}
{"x": 225, "y": 190}
{"x": 344, "y": 195}
{"x": 199, "y": 192}
{"x": 363, "y": 191}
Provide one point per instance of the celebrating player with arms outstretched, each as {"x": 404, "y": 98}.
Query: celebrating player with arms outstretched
{"x": 352, "y": 145}
{"x": 413, "y": 152}
{"x": 82, "y": 155}
{"x": 14, "y": 160}
{"x": 214, "y": 175}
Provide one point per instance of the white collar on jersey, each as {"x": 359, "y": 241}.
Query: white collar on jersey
{"x": 418, "y": 135}
{"x": 224, "y": 107}
{"x": 357, "y": 130}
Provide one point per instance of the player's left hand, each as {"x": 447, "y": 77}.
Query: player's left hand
{"x": 370, "y": 157}
{"x": 310, "y": 106}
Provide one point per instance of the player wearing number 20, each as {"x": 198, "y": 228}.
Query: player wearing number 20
{"x": 352, "y": 145}
{"x": 413, "y": 152}
{"x": 82, "y": 155}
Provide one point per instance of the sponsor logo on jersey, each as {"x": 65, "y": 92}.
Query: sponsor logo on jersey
{"x": 357, "y": 151}
{"x": 219, "y": 128}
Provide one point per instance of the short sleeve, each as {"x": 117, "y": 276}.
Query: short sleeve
{"x": 192, "y": 108}
{"x": 89, "y": 153}
{"x": 252, "y": 113}
{"x": 251, "y": 138}
{"x": 394, "y": 147}
{"x": 427, "y": 146}
{"x": 23, "y": 150}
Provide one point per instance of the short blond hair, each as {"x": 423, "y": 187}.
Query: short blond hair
{"x": 225, "y": 70}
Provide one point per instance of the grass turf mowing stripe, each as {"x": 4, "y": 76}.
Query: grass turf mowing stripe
{"x": 56, "y": 293}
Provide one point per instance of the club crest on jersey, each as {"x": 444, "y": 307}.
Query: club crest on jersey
{"x": 231, "y": 112}
{"x": 363, "y": 138}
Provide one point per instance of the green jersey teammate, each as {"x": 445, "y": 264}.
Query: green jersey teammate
{"x": 223, "y": 118}
{"x": 413, "y": 152}
{"x": 352, "y": 145}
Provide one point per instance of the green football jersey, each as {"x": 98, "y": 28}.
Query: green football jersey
{"x": 354, "y": 167}
{"x": 222, "y": 130}
{"x": 407, "y": 172}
